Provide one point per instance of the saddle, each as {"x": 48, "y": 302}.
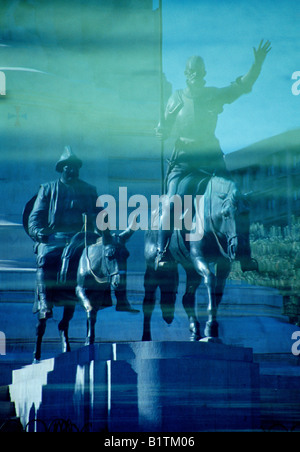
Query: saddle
{"x": 72, "y": 253}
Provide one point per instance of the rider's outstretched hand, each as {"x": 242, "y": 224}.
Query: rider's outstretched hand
{"x": 261, "y": 52}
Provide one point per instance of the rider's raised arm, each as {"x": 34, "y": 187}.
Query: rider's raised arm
{"x": 260, "y": 54}
{"x": 244, "y": 84}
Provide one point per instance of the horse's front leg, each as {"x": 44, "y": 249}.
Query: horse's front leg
{"x": 91, "y": 322}
{"x": 40, "y": 331}
{"x": 91, "y": 314}
{"x": 223, "y": 270}
{"x": 211, "y": 327}
{"x": 150, "y": 285}
{"x": 188, "y": 301}
{"x": 63, "y": 327}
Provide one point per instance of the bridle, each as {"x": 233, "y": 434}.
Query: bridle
{"x": 106, "y": 279}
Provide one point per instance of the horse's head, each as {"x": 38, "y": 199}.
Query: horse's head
{"x": 223, "y": 205}
{"x": 115, "y": 255}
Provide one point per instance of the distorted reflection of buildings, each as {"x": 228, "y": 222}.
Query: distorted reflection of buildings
{"x": 94, "y": 84}
{"x": 85, "y": 75}
{"x": 269, "y": 171}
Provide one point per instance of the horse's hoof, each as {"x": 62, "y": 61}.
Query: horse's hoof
{"x": 36, "y": 361}
{"x": 195, "y": 331}
{"x": 127, "y": 308}
{"x": 195, "y": 337}
{"x": 65, "y": 345}
{"x": 211, "y": 329}
{"x": 215, "y": 340}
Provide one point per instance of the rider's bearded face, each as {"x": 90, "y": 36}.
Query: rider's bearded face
{"x": 70, "y": 173}
{"x": 195, "y": 72}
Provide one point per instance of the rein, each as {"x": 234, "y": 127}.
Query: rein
{"x": 105, "y": 279}
{"x": 213, "y": 229}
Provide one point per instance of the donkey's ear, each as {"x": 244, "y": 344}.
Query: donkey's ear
{"x": 104, "y": 228}
{"x": 107, "y": 238}
{"x": 125, "y": 235}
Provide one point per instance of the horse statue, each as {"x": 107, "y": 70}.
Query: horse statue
{"x": 216, "y": 216}
{"x": 98, "y": 264}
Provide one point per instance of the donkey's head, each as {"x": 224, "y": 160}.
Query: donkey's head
{"x": 115, "y": 255}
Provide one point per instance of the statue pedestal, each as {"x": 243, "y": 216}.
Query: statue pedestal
{"x": 143, "y": 387}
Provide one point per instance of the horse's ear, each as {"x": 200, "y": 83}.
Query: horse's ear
{"x": 125, "y": 235}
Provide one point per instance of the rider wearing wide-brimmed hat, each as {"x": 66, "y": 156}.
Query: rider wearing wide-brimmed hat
{"x": 55, "y": 220}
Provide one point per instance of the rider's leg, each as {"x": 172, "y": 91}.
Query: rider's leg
{"x": 48, "y": 263}
{"x": 165, "y": 230}
{"x": 166, "y": 218}
{"x": 44, "y": 305}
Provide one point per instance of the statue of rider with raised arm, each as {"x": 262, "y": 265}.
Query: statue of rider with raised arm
{"x": 197, "y": 155}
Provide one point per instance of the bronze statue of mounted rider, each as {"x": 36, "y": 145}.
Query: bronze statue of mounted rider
{"x": 197, "y": 168}
{"x": 197, "y": 155}
{"x": 75, "y": 261}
